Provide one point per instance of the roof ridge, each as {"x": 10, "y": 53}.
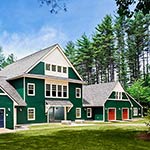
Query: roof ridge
{"x": 30, "y": 55}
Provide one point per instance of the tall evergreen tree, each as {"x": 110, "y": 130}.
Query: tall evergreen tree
{"x": 120, "y": 57}
{"x": 85, "y": 58}
{"x": 103, "y": 43}
{"x": 71, "y": 52}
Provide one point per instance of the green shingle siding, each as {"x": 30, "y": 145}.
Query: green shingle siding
{"x": 38, "y": 69}
{"x": 7, "y": 103}
{"x": 118, "y": 105}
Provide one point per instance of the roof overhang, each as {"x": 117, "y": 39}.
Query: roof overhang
{"x": 38, "y": 76}
{"x": 58, "y": 103}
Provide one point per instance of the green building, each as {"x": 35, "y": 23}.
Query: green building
{"x": 45, "y": 87}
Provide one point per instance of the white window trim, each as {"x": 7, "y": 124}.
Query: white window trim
{"x": 117, "y": 94}
{"x": 4, "y": 117}
{"x": 33, "y": 89}
{"x": 56, "y": 91}
{"x": 89, "y": 112}
{"x": 134, "y": 110}
{"x": 79, "y": 92}
{"x": 33, "y": 114}
{"x": 50, "y": 90}
{"x": 79, "y": 112}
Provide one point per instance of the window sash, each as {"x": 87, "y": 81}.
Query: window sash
{"x": 31, "y": 113}
{"x": 53, "y": 67}
{"x": 48, "y": 67}
{"x": 31, "y": 89}
{"x": 58, "y": 68}
{"x": 54, "y": 90}
{"x": 48, "y": 90}
{"x": 135, "y": 111}
{"x": 78, "y": 92}
{"x": 65, "y": 91}
{"x": 89, "y": 112}
{"x": 78, "y": 112}
{"x": 59, "y": 90}
{"x": 64, "y": 69}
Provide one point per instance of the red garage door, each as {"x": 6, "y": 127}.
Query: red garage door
{"x": 111, "y": 114}
{"x": 125, "y": 114}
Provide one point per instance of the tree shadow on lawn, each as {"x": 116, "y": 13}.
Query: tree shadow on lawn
{"x": 74, "y": 140}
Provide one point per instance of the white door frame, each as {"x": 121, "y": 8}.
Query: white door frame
{"x": 4, "y": 117}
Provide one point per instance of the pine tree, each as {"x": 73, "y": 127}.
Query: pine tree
{"x": 120, "y": 57}
{"x": 103, "y": 43}
{"x": 85, "y": 58}
{"x": 71, "y": 52}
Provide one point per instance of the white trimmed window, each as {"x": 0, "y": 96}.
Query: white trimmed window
{"x": 48, "y": 67}
{"x": 78, "y": 92}
{"x": 54, "y": 68}
{"x": 78, "y": 112}
{"x": 48, "y": 90}
{"x": 31, "y": 89}
{"x": 53, "y": 90}
{"x": 65, "y": 94}
{"x": 118, "y": 95}
{"x": 59, "y": 69}
{"x": 135, "y": 111}
{"x": 59, "y": 92}
{"x": 64, "y": 69}
{"x": 89, "y": 112}
{"x": 31, "y": 113}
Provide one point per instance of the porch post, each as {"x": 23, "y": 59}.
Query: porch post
{"x": 65, "y": 113}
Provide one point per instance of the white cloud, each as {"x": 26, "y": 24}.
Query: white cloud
{"x": 22, "y": 44}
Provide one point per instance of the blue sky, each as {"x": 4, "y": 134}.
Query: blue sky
{"x": 25, "y": 27}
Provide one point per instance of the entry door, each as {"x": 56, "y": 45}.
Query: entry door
{"x": 51, "y": 114}
{"x": 1, "y": 118}
{"x": 125, "y": 114}
{"x": 111, "y": 114}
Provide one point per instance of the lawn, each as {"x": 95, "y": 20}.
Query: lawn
{"x": 96, "y": 137}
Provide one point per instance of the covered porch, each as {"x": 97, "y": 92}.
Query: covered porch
{"x": 57, "y": 110}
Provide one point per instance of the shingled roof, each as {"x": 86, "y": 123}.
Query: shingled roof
{"x": 11, "y": 91}
{"x": 97, "y": 94}
{"x": 21, "y": 66}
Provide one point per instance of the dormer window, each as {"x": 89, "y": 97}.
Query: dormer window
{"x": 118, "y": 95}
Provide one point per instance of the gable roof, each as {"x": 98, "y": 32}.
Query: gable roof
{"x": 97, "y": 94}
{"x": 23, "y": 65}
{"x": 11, "y": 91}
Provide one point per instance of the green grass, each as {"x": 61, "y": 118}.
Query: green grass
{"x": 58, "y": 137}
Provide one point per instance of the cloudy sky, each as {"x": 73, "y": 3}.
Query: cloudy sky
{"x": 25, "y": 27}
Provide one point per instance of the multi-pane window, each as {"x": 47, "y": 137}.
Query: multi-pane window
{"x": 64, "y": 91}
{"x": 118, "y": 95}
{"x": 48, "y": 67}
{"x": 31, "y": 89}
{"x": 31, "y": 113}
{"x": 59, "y": 68}
{"x": 78, "y": 92}
{"x": 64, "y": 69}
{"x": 53, "y": 67}
{"x": 89, "y": 112}
{"x": 59, "y": 90}
{"x": 48, "y": 90}
{"x": 54, "y": 90}
{"x": 78, "y": 112}
{"x": 135, "y": 111}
